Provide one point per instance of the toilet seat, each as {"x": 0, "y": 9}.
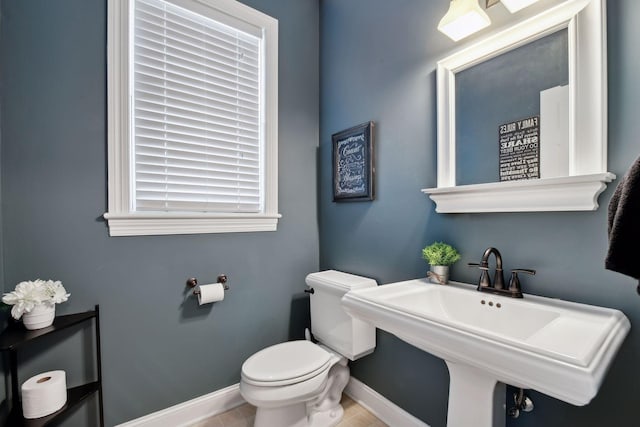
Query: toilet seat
{"x": 286, "y": 363}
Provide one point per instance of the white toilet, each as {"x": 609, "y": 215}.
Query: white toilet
{"x": 299, "y": 383}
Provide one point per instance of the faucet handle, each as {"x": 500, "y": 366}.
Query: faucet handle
{"x": 514, "y": 283}
{"x": 480, "y": 266}
{"x": 484, "y": 281}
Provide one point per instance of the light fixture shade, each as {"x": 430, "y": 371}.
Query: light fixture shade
{"x": 515, "y": 5}
{"x": 463, "y": 18}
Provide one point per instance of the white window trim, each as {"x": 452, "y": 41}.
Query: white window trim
{"x": 121, "y": 220}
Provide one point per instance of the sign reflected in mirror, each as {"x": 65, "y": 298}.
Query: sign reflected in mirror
{"x": 519, "y": 149}
{"x": 551, "y": 66}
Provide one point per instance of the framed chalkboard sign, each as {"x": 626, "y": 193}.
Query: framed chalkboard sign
{"x": 353, "y": 164}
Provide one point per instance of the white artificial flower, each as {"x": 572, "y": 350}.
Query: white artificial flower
{"x": 27, "y": 295}
{"x": 11, "y": 298}
{"x": 22, "y": 307}
{"x": 58, "y": 293}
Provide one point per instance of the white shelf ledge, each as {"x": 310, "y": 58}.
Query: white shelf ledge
{"x": 572, "y": 193}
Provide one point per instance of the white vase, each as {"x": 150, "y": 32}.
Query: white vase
{"x": 40, "y": 317}
{"x": 440, "y": 274}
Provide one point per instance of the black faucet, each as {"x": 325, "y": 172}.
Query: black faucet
{"x": 484, "y": 284}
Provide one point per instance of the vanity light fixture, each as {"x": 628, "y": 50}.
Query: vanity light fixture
{"x": 463, "y": 18}
{"x": 515, "y": 5}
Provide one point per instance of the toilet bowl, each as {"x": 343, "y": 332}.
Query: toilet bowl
{"x": 295, "y": 383}
{"x": 299, "y": 383}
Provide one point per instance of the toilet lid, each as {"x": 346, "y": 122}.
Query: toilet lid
{"x": 288, "y": 362}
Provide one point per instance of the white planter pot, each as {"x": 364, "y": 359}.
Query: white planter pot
{"x": 40, "y": 317}
{"x": 440, "y": 274}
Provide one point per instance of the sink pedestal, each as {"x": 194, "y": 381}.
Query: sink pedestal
{"x": 475, "y": 398}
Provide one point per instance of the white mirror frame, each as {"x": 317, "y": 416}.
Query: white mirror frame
{"x": 585, "y": 21}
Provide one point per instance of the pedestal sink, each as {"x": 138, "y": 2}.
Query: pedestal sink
{"x": 557, "y": 347}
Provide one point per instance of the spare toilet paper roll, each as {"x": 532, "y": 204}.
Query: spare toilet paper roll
{"x": 210, "y": 293}
{"x": 44, "y": 394}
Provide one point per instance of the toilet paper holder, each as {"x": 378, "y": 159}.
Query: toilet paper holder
{"x": 192, "y": 282}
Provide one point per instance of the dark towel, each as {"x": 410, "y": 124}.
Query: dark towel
{"x": 624, "y": 225}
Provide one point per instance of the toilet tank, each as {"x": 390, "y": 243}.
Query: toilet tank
{"x": 330, "y": 324}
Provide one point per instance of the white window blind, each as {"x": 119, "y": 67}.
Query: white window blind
{"x": 197, "y": 124}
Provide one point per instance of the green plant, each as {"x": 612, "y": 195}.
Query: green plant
{"x": 439, "y": 253}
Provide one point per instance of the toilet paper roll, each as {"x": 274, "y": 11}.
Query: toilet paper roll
{"x": 44, "y": 394}
{"x": 210, "y": 293}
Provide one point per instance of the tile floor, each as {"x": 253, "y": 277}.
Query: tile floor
{"x": 242, "y": 416}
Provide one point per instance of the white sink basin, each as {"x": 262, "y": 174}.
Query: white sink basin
{"x": 557, "y": 347}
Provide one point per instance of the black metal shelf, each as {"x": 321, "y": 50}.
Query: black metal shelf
{"x": 75, "y": 396}
{"x": 15, "y": 336}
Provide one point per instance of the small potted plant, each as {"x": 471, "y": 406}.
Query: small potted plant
{"x": 440, "y": 257}
{"x": 35, "y": 301}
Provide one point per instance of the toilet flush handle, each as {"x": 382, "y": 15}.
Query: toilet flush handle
{"x": 310, "y": 291}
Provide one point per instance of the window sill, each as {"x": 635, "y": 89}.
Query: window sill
{"x": 572, "y": 193}
{"x": 148, "y": 224}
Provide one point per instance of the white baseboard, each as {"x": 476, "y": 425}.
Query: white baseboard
{"x": 385, "y": 410}
{"x": 209, "y": 405}
{"x": 192, "y": 411}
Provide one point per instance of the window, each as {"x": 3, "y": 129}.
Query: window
{"x": 192, "y": 104}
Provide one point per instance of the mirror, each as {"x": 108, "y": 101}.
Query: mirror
{"x": 522, "y": 116}
{"x": 513, "y": 82}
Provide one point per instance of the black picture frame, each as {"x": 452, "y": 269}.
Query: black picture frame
{"x": 353, "y": 164}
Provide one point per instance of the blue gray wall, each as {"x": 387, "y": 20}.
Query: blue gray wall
{"x": 378, "y": 63}
{"x": 159, "y": 348}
